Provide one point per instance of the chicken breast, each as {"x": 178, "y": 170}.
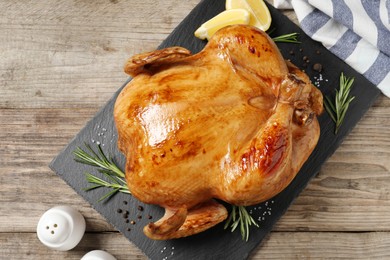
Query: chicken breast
{"x": 234, "y": 122}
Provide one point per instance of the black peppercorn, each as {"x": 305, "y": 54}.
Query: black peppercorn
{"x": 317, "y": 67}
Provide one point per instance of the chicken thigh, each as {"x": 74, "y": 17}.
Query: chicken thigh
{"x": 234, "y": 122}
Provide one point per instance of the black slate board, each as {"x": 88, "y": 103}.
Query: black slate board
{"x": 217, "y": 243}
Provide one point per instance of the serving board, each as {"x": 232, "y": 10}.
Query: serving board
{"x": 129, "y": 216}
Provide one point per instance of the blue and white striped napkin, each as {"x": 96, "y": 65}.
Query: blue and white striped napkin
{"x": 357, "y": 31}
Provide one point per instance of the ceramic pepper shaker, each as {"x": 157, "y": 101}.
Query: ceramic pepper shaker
{"x": 98, "y": 255}
{"x": 61, "y": 228}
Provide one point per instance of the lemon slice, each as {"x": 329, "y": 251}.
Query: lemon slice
{"x": 228, "y": 17}
{"x": 260, "y": 16}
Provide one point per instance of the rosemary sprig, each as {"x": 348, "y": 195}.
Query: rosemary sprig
{"x": 239, "y": 216}
{"x": 117, "y": 185}
{"x": 289, "y": 38}
{"x": 106, "y": 167}
{"x": 342, "y": 100}
{"x": 98, "y": 160}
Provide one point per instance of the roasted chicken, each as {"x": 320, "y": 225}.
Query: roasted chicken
{"x": 234, "y": 122}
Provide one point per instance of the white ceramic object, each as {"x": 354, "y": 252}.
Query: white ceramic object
{"x": 98, "y": 255}
{"x": 61, "y": 228}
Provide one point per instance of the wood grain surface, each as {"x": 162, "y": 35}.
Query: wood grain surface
{"x": 62, "y": 60}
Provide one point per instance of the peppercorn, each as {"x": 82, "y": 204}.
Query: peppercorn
{"x": 317, "y": 67}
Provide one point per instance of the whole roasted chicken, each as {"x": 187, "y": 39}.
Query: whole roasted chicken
{"x": 234, "y": 122}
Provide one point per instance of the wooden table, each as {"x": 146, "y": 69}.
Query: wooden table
{"x": 62, "y": 60}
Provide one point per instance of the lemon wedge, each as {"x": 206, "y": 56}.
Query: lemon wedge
{"x": 228, "y": 17}
{"x": 260, "y": 15}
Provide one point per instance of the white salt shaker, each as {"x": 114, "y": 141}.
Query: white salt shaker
{"x": 61, "y": 228}
{"x": 98, "y": 255}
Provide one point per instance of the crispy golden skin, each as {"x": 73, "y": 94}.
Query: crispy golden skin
{"x": 234, "y": 122}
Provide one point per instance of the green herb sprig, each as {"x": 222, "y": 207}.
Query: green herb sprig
{"x": 342, "y": 100}
{"x": 239, "y": 216}
{"x": 107, "y": 167}
{"x": 288, "y": 38}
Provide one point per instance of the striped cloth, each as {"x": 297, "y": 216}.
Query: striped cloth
{"x": 357, "y": 31}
